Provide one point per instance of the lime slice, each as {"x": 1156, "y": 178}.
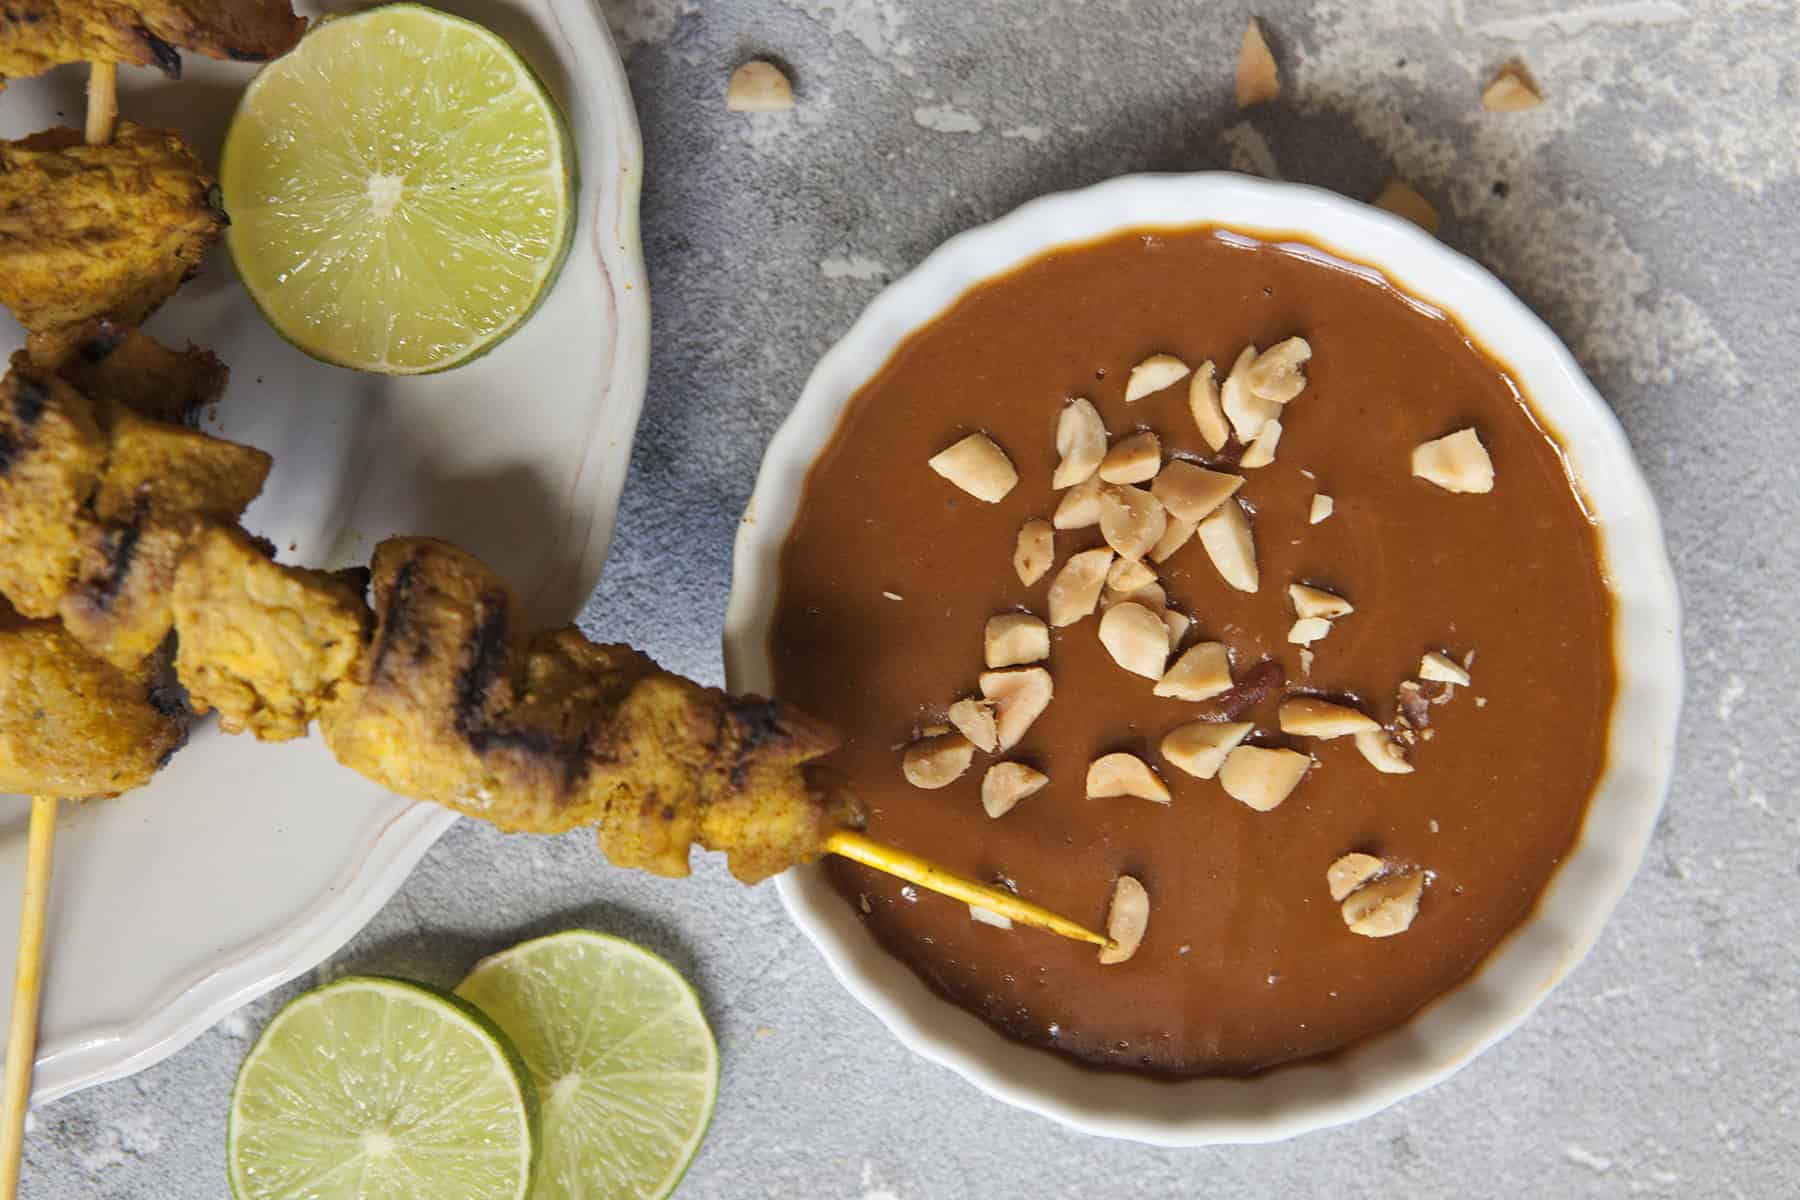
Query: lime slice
{"x": 373, "y": 1087}
{"x": 400, "y": 191}
{"x": 621, "y": 1055}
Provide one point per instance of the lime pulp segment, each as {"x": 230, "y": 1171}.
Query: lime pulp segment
{"x": 624, "y": 1063}
{"x": 374, "y": 1087}
{"x": 399, "y": 189}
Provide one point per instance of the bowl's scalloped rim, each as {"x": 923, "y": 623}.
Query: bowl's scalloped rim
{"x": 1573, "y": 910}
{"x": 194, "y": 1004}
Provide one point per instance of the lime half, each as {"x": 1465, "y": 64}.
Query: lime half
{"x": 373, "y": 1087}
{"x": 621, "y": 1055}
{"x": 400, "y": 191}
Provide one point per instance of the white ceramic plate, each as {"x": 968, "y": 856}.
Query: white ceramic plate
{"x": 1450, "y": 1032}
{"x": 242, "y": 864}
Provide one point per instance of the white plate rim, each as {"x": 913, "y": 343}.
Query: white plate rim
{"x": 193, "y": 1005}
{"x": 1572, "y": 911}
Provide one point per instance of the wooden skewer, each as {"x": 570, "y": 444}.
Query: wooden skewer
{"x": 28, "y": 971}
{"x": 102, "y": 103}
{"x": 28, "y": 980}
{"x": 914, "y": 869}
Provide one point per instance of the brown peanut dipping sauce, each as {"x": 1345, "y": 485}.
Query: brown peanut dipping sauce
{"x": 890, "y": 574}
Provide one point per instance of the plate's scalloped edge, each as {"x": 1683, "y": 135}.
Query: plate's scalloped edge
{"x": 1574, "y": 908}
{"x": 100, "y": 1055}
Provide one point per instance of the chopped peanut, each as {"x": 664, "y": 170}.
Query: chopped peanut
{"x": 1126, "y": 921}
{"x": 1124, "y": 775}
{"x": 1278, "y": 373}
{"x": 1175, "y": 536}
{"x": 1133, "y": 459}
{"x": 1262, "y": 778}
{"x": 1007, "y": 783}
{"x": 1076, "y": 589}
{"x": 1201, "y": 747}
{"x": 1385, "y": 907}
{"x": 1456, "y": 463}
{"x": 1013, "y": 639}
{"x": 1153, "y": 375}
{"x": 1261, "y": 452}
{"x": 1382, "y": 752}
{"x": 1020, "y": 697}
{"x": 1136, "y": 638}
{"x": 1308, "y": 630}
{"x": 1441, "y": 668}
{"x": 759, "y": 86}
{"x": 1081, "y": 441}
{"x": 1203, "y": 403}
{"x": 1317, "y": 602}
{"x": 1403, "y": 200}
{"x": 1191, "y": 492}
{"x": 1257, "y": 79}
{"x": 938, "y": 761}
{"x": 1035, "y": 551}
{"x": 974, "y": 719}
{"x": 1351, "y": 872}
{"x": 978, "y": 467}
{"x": 1200, "y": 674}
{"x": 1305, "y": 716}
{"x": 1131, "y": 520}
{"x": 1512, "y": 90}
{"x": 1246, "y": 411}
{"x": 1126, "y": 575}
{"x": 1080, "y": 506}
{"x": 1229, "y": 543}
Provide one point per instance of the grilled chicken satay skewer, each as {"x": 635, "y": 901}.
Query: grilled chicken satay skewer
{"x": 431, "y": 694}
{"x": 28, "y": 964}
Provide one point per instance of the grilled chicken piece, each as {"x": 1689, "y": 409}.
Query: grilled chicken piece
{"x": 72, "y": 725}
{"x": 118, "y": 604}
{"x": 36, "y": 35}
{"x": 98, "y": 231}
{"x": 263, "y": 643}
{"x": 51, "y": 456}
{"x": 93, "y": 520}
{"x": 547, "y": 734}
{"x": 163, "y": 471}
{"x": 416, "y": 712}
{"x": 120, "y": 366}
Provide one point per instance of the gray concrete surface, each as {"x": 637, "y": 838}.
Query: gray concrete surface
{"x": 1647, "y": 212}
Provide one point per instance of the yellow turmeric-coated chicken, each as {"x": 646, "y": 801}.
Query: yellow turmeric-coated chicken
{"x": 264, "y": 644}
{"x": 159, "y": 470}
{"x": 118, "y": 602}
{"x": 36, "y": 35}
{"x": 98, "y": 231}
{"x": 97, "y": 505}
{"x": 121, "y": 366}
{"x": 554, "y": 732}
{"x": 51, "y": 454}
{"x": 73, "y": 725}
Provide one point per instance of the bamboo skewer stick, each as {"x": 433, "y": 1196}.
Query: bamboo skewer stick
{"x": 910, "y": 867}
{"x": 28, "y": 979}
{"x": 102, "y": 103}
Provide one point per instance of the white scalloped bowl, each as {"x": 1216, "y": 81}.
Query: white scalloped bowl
{"x": 1451, "y": 1031}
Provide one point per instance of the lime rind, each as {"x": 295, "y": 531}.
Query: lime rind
{"x": 377, "y": 1086}
{"x": 391, "y": 214}
{"x": 626, "y": 1067}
